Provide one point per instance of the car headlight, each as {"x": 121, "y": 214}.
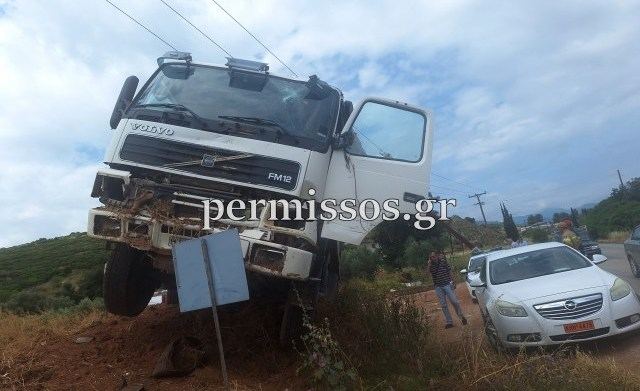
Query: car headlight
{"x": 509, "y": 309}
{"x": 619, "y": 289}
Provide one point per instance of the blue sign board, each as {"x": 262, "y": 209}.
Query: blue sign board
{"x": 227, "y": 265}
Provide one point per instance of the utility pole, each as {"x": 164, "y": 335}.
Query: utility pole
{"x": 621, "y": 183}
{"x": 480, "y": 203}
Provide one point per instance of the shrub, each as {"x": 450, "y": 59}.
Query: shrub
{"x": 323, "y": 359}
{"x": 383, "y": 338}
{"x": 358, "y": 262}
{"x": 31, "y": 302}
{"x": 415, "y": 253}
{"x": 537, "y": 235}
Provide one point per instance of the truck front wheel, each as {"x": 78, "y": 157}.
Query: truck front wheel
{"x": 129, "y": 281}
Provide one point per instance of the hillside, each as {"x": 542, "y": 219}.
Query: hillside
{"x": 618, "y": 212}
{"x": 47, "y": 264}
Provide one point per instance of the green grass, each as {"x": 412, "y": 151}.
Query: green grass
{"x": 47, "y": 262}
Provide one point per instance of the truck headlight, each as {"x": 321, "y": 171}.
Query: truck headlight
{"x": 269, "y": 258}
{"x": 506, "y": 308}
{"x": 619, "y": 289}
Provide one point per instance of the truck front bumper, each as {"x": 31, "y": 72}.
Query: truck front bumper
{"x": 158, "y": 236}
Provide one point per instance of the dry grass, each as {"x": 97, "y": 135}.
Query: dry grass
{"x": 616, "y": 237}
{"x": 392, "y": 348}
{"x": 20, "y": 336}
{"x": 478, "y": 367}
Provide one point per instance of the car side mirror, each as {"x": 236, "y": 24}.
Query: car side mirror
{"x": 124, "y": 100}
{"x": 476, "y": 282}
{"x": 598, "y": 258}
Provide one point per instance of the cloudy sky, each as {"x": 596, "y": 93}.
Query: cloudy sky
{"x": 537, "y": 103}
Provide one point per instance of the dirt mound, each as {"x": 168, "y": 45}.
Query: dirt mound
{"x": 123, "y": 351}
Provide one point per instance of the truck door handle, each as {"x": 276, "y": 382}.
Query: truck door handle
{"x": 412, "y": 198}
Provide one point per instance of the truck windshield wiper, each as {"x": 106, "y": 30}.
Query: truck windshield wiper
{"x": 176, "y": 107}
{"x": 264, "y": 122}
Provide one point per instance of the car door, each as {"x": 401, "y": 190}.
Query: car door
{"x": 387, "y": 156}
{"x": 482, "y": 292}
{"x": 632, "y": 245}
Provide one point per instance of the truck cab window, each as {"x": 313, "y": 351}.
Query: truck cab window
{"x": 386, "y": 132}
{"x": 279, "y": 111}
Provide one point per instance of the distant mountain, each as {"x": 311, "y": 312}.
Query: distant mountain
{"x": 548, "y": 213}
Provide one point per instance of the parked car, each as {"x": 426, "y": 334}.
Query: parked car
{"x": 632, "y": 249}
{"x": 548, "y": 293}
{"x": 472, "y": 272}
{"x": 588, "y": 246}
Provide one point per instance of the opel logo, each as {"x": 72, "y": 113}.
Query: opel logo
{"x": 570, "y": 305}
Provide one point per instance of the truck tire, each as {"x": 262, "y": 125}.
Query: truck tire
{"x": 129, "y": 281}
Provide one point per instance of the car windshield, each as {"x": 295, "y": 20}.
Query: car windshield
{"x": 535, "y": 264}
{"x": 265, "y": 107}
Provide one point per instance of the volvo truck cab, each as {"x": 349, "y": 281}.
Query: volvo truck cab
{"x": 196, "y": 132}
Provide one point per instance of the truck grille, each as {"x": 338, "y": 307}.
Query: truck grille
{"x": 255, "y": 169}
{"x": 574, "y": 308}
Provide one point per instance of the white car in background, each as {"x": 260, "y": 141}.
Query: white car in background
{"x": 472, "y": 273}
{"x": 548, "y": 293}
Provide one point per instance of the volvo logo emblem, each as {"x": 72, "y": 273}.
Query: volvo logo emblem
{"x": 152, "y": 129}
{"x": 570, "y": 305}
{"x": 208, "y": 161}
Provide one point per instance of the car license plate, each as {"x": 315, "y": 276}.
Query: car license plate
{"x": 578, "y": 327}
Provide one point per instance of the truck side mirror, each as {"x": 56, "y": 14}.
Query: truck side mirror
{"x": 124, "y": 100}
{"x": 342, "y": 140}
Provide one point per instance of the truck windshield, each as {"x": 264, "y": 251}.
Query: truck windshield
{"x": 206, "y": 98}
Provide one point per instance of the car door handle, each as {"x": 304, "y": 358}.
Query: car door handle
{"x": 412, "y": 198}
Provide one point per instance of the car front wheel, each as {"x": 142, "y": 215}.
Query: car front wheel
{"x": 492, "y": 335}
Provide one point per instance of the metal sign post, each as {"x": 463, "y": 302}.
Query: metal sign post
{"x": 214, "y": 308}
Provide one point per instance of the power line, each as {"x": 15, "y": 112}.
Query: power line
{"x": 256, "y": 38}
{"x": 448, "y": 189}
{"x": 141, "y": 25}
{"x": 452, "y": 180}
{"x": 200, "y": 31}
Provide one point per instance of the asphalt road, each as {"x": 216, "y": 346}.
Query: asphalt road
{"x": 617, "y": 264}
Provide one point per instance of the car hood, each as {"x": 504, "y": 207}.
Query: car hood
{"x": 556, "y": 284}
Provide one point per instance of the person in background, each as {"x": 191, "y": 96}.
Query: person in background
{"x": 521, "y": 242}
{"x": 444, "y": 287}
{"x": 568, "y": 236}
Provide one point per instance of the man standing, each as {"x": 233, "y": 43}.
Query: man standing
{"x": 568, "y": 236}
{"x": 444, "y": 287}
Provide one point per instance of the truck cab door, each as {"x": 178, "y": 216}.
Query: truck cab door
{"x": 387, "y": 155}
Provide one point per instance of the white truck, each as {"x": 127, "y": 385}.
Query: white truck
{"x": 199, "y": 131}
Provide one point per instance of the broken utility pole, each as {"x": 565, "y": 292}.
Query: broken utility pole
{"x": 480, "y": 203}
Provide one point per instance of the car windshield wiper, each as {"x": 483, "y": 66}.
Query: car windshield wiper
{"x": 176, "y": 107}
{"x": 264, "y": 122}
